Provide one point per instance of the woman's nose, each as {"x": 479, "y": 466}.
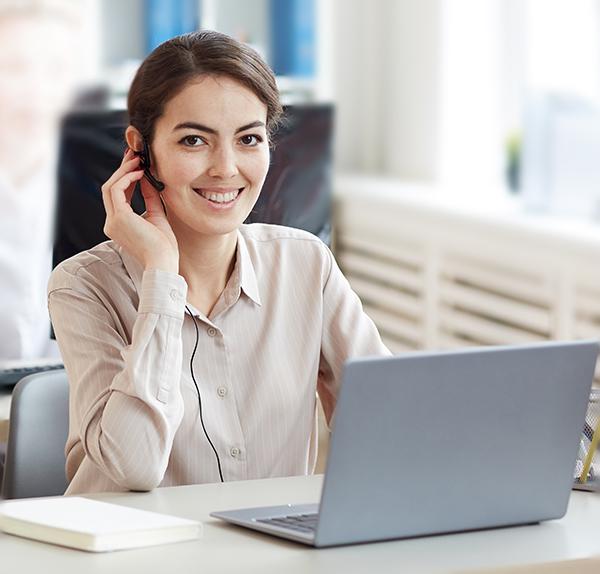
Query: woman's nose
{"x": 223, "y": 163}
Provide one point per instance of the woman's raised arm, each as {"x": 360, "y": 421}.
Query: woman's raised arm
{"x": 125, "y": 400}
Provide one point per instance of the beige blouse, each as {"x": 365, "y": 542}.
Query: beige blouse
{"x": 281, "y": 330}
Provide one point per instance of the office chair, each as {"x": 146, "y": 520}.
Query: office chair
{"x": 39, "y": 422}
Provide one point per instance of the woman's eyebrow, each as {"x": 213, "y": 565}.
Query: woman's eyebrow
{"x": 203, "y": 128}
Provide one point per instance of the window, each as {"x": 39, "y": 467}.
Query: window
{"x": 520, "y": 100}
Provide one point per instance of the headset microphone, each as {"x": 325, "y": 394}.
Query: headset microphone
{"x": 146, "y": 163}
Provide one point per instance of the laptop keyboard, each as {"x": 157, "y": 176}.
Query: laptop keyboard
{"x": 12, "y": 376}
{"x": 298, "y": 522}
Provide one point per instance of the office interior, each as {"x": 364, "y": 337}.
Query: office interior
{"x": 462, "y": 174}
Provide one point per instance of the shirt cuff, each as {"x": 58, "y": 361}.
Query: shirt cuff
{"x": 163, "y": 293}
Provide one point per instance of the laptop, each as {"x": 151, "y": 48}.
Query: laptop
{"x": 432, "y": 443}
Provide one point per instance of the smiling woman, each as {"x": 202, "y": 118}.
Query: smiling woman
{"x": 211, "y": 151}
{"x": 194, "y": 343}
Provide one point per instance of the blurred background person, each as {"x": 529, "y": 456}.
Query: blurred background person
{"x": 36, "y": 78}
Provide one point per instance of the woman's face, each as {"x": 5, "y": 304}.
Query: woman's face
{"x": 210, "y": 149}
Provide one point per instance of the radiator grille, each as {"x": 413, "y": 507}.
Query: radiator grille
{"x": 488, "y": 303}
{"x": 431, "y": 278}
{"x": 587, "y": 311}
{"x": 390, "y": 284}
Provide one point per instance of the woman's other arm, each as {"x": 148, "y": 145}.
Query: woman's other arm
{"x": 347, "y": 332}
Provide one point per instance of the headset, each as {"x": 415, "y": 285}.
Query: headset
{"x": 146, "y": 164}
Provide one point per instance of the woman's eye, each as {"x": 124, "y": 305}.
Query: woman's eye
{"x": 251, "y": 140}
{"x": 192, "y": 141}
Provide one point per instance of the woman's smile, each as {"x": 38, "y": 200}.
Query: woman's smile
{"x": 219, "y": 198}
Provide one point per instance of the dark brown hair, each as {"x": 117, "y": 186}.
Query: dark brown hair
{"x": 171, "y": 65}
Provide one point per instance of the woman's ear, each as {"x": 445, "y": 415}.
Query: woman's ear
{"x": 134, "y": 139}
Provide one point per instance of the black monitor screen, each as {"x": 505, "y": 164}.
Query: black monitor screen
{"x": 297, "y": 190}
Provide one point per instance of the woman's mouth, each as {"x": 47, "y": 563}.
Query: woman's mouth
{"x": 219, "y": 197}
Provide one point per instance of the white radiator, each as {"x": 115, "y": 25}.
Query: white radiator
{"x": 433, "y": 275}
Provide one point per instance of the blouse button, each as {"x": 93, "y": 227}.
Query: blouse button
{"x": 175, "y": 295}
{"x": 222, "y": 391}
{"x": 211, "y": 331}
{"x": 235, "y": 451}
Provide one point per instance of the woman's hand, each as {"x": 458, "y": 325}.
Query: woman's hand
{"x": 148, "y": 238}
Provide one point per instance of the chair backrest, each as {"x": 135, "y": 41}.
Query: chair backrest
{"x": 38, "y": 427}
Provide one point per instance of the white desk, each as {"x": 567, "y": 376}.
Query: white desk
{"x": 225, "y": 548}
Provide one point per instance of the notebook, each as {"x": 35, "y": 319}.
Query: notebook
{"x": 92, "y": 525}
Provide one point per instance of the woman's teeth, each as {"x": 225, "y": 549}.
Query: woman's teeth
{"x": 219, "y": 197}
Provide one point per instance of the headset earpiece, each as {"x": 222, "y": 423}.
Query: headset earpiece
{"x": 146, "y": 163}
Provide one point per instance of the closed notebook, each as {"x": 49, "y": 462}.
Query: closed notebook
{"x": 92, "y": 525}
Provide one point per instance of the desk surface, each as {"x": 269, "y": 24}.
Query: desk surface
{"x": 225, "y": 548}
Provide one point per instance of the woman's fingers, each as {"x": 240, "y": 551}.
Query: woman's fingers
{"x": 117, "y": 199}
{"x": 129, "y": 193}
{"x": 128, "y": 163}
{"x": 118, "y": 196}
{"x": 151, "y": 197}
{"x": 128, "y": 155}
{"x": 107, "y": 201}
{"x": 122, "y": 190}
{"x": 143, "y": 238}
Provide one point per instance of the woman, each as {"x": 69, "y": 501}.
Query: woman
{"x": 194, "y": 344}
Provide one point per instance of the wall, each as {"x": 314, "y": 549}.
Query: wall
{"x": 386, "y": 63}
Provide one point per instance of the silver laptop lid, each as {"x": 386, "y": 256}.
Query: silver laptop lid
{"x": 439, "y": 442}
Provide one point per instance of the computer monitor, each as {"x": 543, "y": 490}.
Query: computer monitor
{"x": 297, "y": 190}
